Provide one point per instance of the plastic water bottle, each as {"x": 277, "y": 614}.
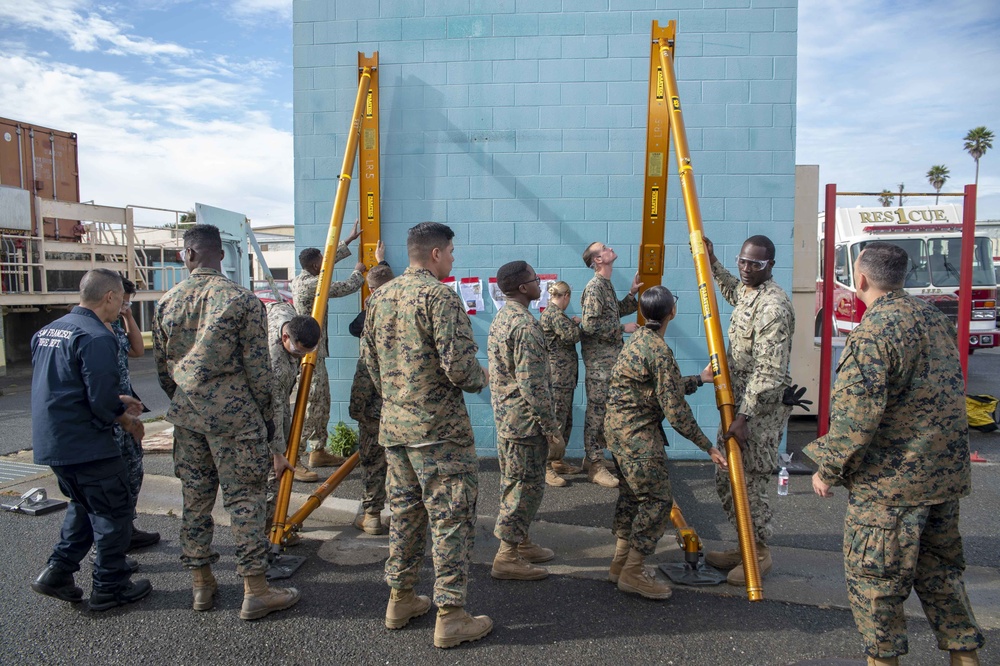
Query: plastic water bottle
{"x": 783, "y": 481}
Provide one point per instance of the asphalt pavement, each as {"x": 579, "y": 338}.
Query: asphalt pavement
{"x": 573, "y": 617}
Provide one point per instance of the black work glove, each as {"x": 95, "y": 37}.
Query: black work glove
{"x": 793, "y": 396}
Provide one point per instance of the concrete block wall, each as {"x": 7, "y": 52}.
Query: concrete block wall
{"x": 521, "y": 124}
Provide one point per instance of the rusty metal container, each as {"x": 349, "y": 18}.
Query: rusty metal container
{"x": 44, "y": 162}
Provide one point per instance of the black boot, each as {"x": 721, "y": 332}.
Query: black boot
{"x": 57, "y": 583}
{"x": 131, "y": 591}
{"x": 142, "y": 539}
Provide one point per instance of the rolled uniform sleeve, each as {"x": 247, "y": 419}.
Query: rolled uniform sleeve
{"x": 256, "y": 359}
{"x": 455, "y": 344}
{"x": 772, "y": 355}
{"x": 532, "y": 376}
{"x": 167, "y": 382}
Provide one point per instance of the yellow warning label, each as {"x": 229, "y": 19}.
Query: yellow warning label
{"x": 675, "y": 101}
{"x": 371, "y": 205}
{"x": 706, "y": 309}
{"x": 369, "y": 104}
{"x": 654, "y": 202}
{"x": 654, "y": 166}
{"x": 659, "y": 83}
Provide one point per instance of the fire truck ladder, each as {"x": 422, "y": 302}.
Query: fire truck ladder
{"x": 364, "y": 126}
{"x": 665, "y": 114}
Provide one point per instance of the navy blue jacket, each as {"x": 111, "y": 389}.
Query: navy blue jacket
{"x": 74, "y": 390}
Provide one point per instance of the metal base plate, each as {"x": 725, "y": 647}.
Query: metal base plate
{"x": 284, "y": 566}
{"x": 683, "y": 574}
{"x": 36, "y": 508}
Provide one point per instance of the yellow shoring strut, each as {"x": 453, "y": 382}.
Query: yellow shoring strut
{"x": 710, "y": 313}
{"x": 279, "y": 530}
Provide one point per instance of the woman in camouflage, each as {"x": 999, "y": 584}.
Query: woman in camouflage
{"x": 562, "y": 333}
{"x": 646, "y": 387}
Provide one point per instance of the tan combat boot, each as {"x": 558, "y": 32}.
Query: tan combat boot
{"x": 738, "y": 577}
{"x": 553, "y": 479}
{"x": 454, "y": 626}
{"x": 509, "y": 565}
{"x": 618, "y": 561}
{"x": 635, "y": 579}
{"x": 533, "y": 552}
{"x": 259, "y": 599}
{"x": 204, "y": 588}
{"x": 964, "y": 657}
{"x": 599, "y": 474}
{"x": 563, "y": 467}
{"x": 320, "y": 458}
{"x": 883, "y": 661}
{"x": 723, "y": 559}
{"x": 403, "y": 606}
{"x": 303, "y": 473}
{"x": 370, "y": 523}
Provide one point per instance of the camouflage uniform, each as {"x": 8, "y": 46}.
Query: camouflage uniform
{"x": 760, "y": 348}
{"x": 899, "y": 442}
{"x": 421, "y": 355}
{"x": 366, "y": 408}
{"x": 131, "y": 449}
{"x": 317, "y": 419}
{"x": 646, "y": 387}
{"x": 284, "y": 373}
{"x": 211, "y": 356}
{"x": 561, "y": 335}
{"x": 600, "y": 342}
{"x": 522, "y": 406}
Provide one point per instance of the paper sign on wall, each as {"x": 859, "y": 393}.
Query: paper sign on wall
{"x": 471, "y": 291}
{"x": 543, "y": 301}
{"x": 496, "y": 295}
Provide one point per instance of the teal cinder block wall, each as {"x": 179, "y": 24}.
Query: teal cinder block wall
{"x": 522, "y": 126}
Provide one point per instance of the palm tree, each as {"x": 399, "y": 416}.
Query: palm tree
{"x": 977, "y": 142}
{"x": 937, "y": 176}
{"x": 885, "y": 198}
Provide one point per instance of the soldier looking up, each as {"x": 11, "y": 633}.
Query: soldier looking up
{"x": 899, "y": 441}
{"x": 760, "y": 348}
{"x": 210, "y": 344}
{"x": 600, "y": 343}
{"x": 420, "y": 353}
{"x": 527, "y": 429}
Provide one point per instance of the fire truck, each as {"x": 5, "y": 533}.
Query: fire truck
{"x": 932, "y": 237}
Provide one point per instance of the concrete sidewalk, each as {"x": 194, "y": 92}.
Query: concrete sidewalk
{"x": 802, "y": 574}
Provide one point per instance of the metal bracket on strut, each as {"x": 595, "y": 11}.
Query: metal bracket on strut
{"x": 35, "y": 502}
{"x": 281, "y": 565}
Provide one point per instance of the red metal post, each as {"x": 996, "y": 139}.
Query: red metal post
{"x": 965, "y": 279}
{"x": 826, "y": 334}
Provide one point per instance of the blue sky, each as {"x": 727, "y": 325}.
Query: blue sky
{"x": 183, "y": 100}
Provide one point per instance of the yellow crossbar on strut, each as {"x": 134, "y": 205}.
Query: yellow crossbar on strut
{"x": 663, "y": 40}
{"x": 279, "y": 529}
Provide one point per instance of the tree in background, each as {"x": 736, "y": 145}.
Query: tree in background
{"x": 936, "y": 176}
{"x": 885, "y": 198}
{"x": 977, "y": 142}
{"x": 901, "y": 199}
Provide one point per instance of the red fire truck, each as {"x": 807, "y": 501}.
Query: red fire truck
{"x": 932, "y": 236}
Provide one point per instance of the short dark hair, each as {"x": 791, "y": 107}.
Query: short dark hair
{"x": 425, "y": 237}
{"x": 656, "y": 304}
{"x": 309, "y": 255}
{"x": 884, "y": 264}
{"x": 764, "y": 242}
{"x": 304, "y": 330}
{"x": 129, "y": 286}
{"x": 203, "y": 238}
{"x": 512, "y": 275}
{"x": 96, "y": 283}
{"x": 588, "y": 254}
{"x": 378, "y": 276}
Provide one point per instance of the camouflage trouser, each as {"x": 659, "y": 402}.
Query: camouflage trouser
{"x": 373, "y": 466}
{"x": 642, "y": 512}
{"x": 203, "y": 463}
{"x": 435, "y": 485}
{"x": 562, "y": 407}
{"x": 598, "y": 364}
{"x": 522, "y": 484}
{"x": 315, "y": 427}
{"x": 889, "y": 550}
{"x": 759, "y": 460}
{"x": 131, "y": 451}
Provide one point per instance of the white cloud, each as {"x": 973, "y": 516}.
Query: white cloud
{"x": 886, "y": 90}
{"x": 247, "y": 8}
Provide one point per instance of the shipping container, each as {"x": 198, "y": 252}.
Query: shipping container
{"x": 44, "y": 162}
